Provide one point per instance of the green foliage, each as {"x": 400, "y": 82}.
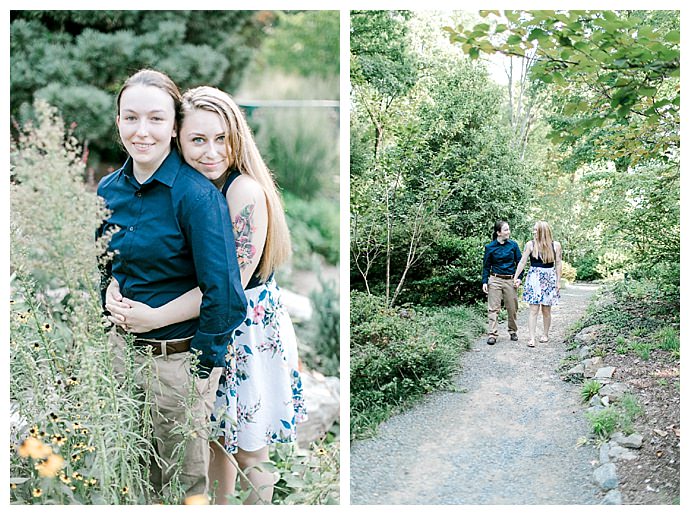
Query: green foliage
{"x": 627, "y": 60}
{"x": 73, "y": 406}
{"x": 432, "y": 160}
{"x": 380, "y": 55}
{"x": 590, "y": 389}
{"x": 315, "y": 229}
{"x": 306, "y": 43}
{"x": 300, "y": 146}
{"x": 397, "y": 355}
{"x": 77, "y": 60}
{"x": 568, "y": 272}
{"x": 604, "y": 422}
{"x": 448, "y": 273}
{"x": 307, "y": 477}
{"x": 323, "y": 353}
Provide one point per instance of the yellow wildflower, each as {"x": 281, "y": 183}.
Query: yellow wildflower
{"x": 37, "y": 492}
{"x": 51, "y": 466}
{"x": 47, "y": 327}
{"x": 125, "y": 490}
{"x": 34, "y": 448}
{"x": 65, "y": 478}
{"x": 58, "y": 439}
{"x": 196, "y": 499}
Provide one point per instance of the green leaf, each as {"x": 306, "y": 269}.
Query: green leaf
{"x": 537, "y": 34}
{"x": 673, "y": 36}
{"x": 501, "y": 27}
{"x": 647, "y": 91}
{"x": 474, "y": 53}
{"x": 514, "y": 39}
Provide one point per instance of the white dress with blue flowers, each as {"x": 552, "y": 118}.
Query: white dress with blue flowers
{"x": 259, "y": 399}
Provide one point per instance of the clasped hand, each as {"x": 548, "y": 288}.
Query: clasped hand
{"x": 132, "y": 316}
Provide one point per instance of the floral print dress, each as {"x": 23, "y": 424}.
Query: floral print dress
{"x": 540, "y": 283}
{"x": 259, "y": 399}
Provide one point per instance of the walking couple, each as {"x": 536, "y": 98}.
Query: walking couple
{"x": 502, "y": 273}
{"x": 197, "y": 228}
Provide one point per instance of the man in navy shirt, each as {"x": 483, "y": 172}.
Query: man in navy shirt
{"x": 501, "y": 258}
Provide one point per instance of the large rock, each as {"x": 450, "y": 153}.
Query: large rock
{"x": 592, "y": 365}
{"x": 605, "y": 373}
{"x": 606, "y": 477}
{"x": 614, "y": 391}
{"x": 322, "y": 401}
{"x": 298, "y": 306}
{"x": 612, "y": 497}
{"x": 634, "y": 441}
{"x": 588, "y": 334}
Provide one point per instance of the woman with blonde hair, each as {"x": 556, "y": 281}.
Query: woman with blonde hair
{"x": 542, "y": 284}
{"x": 259, "y": 400}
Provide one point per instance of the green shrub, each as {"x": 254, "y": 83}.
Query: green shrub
{"x": 300, "y": 146}
{"x": 314, "y": 228}
{"x": 397, "y": 355}
{"x": 323, "y": 351}
{"x": 568, "y": 272}
{"x": 586, "y": 267}
{"x": 590, "y": 389}
{"x": 604, "y": 422}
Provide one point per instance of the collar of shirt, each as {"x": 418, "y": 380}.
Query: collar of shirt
{"x": 166, "y": 173}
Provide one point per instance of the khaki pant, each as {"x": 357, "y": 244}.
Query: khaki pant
{"x": 502, "y": 290}
{"x": 180, "y": 412}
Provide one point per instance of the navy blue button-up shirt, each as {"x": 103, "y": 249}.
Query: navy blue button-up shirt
{"x": 501, "y": 258}
{"x": 173, "y": 233}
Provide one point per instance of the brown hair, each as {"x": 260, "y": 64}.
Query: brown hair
{"x": 156, "y": 79}
{"x": 244, "y": 155}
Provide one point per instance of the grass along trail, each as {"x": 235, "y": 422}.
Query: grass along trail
{"x": 508, "y": 435}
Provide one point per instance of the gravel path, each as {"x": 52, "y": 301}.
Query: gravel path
{"x": 507, "y": 436}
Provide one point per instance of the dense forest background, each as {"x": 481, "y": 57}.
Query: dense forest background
{"x": 462, "y": 119}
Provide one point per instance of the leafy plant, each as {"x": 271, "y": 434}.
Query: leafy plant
{"x": 590, "y": 389}
{"x": 604, "y": 422}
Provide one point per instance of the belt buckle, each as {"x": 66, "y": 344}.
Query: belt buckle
{"x": 164, "y": 348}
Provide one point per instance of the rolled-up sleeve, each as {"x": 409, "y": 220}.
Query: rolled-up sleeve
{"x": 208, "y": 231}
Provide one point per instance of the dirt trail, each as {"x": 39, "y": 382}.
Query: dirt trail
{"x": 507, "y": 436}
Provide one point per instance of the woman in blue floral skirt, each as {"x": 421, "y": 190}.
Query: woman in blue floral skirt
{"x": 543, "y": 282}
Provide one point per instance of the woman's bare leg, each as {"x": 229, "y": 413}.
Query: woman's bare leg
{"x": 546, "y": 315}
{"x": 222, "y": 470}
{"x": 262, "y": 482}
{"x": 533, "y": 314}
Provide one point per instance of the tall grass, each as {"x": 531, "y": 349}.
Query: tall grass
{"x": 61, "y": 379}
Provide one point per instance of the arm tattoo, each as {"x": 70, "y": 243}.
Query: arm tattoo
{"x": 244, "y": 228}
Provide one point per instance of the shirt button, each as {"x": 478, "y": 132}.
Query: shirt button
{"x": 131, "y": 229}
{"x": 138, "y": 194}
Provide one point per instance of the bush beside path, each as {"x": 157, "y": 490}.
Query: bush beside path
{"x": 509, "y": 433}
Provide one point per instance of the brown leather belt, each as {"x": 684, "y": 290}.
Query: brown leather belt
{"x": 502, "y": 276}
{"x": 161, "y": 347}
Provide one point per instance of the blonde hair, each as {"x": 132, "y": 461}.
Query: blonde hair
{"x": 543, "y": 242}
{"x": 244, "y": 155}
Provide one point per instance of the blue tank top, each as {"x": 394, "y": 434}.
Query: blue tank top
{"x": 536, "y": 261}
{"x": 256, "y": 279}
